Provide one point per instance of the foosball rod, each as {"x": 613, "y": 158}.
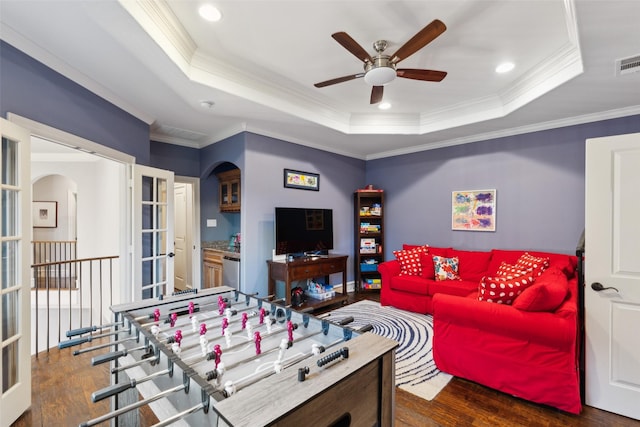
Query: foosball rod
{"x": 251, "y": 379}
{"x": 131, "y": 407}
{"x": 183, "y": 414}
{"x": 114, "y": 389}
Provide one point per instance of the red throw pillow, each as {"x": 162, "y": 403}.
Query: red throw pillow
{"x": 410, "y": 260}
{"x": 529, "y": 262}
{"x": 547, "y": 294}
{"x": 502, "y": 290}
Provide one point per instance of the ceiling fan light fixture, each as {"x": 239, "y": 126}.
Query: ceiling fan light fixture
{"x": 380, "y": 76}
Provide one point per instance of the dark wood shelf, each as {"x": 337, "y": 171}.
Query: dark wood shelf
{"x": 365, "y": 201}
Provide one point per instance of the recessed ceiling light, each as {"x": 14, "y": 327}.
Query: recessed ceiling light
{"x": 505, "y": 67}
{"x": 210, "y": 13}
{"x": 207, "y": 104}
{"x": 384, "y": 105}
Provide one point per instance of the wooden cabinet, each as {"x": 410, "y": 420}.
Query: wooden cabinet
{"x": 369, "y": 238}
{"x": 229, "y": 191}
{"x": 211, "y": 268}
{"x": 308, "y": 268}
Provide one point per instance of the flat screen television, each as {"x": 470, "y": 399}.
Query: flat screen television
{"x": 303, "y": 231}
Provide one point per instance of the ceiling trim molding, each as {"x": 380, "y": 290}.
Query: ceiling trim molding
{"x": 553, "y": 124}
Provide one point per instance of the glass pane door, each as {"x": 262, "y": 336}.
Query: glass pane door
{"x": 15, "y": 354}
{"x": 153, "y": 219}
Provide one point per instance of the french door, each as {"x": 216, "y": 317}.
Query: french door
{"x": 15, "y": 220}
{"x": 153, "y": 232}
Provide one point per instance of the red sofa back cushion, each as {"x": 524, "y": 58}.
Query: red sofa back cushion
{"x": 426, "y": 260}
{"x": 472, "y": 264}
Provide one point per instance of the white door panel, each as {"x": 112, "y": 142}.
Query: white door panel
{"x": 612, "y": 274}
{"x": 15, "y": 293}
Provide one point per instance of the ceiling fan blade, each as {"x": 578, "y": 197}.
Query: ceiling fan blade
{"x": 376, "y": 94}
{"x": 352, "y": 46}
{"x": 420, "y": 40}
{"x": 339, "y": 80}
{"x": 426, "y": 75}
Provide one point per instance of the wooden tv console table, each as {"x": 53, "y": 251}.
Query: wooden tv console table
{"x": 308, "y": 268}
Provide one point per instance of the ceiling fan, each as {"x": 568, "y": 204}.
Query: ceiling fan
{"x": 380, "y": 69}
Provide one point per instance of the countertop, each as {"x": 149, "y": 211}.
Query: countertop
{"x": 222, "y": 246}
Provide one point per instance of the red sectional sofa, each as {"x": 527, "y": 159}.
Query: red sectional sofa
{"x": 528, "y": 349}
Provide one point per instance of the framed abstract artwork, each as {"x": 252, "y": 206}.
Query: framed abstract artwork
{"x": 473, "y": 210}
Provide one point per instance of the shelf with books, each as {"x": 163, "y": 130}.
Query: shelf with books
{"x": 369, "y": 238}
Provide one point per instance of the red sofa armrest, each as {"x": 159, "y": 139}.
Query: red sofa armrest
{"x": 389, "y": 269}
{"x": 541, "y": 327}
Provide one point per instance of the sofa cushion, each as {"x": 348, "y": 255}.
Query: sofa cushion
{"x": 567, "y": 263}
{"x": 426, "y": 258}
{"x": 546, "y": 294}
{"x": 472, "y": 264}
{"x": 446, "y": 268}
{"x": 459, "y": 288}
{"x": 410, "y": 284}
{"x": 531, "y": 263}
{"x": 503, "y": 290}
{"x": 409, "y": 260}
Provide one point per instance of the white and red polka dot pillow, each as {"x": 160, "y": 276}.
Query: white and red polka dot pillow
{"x": 409, "y": 260}
{"x": 503, "y": 290}
{"x": 509, "y": 271}
{"x": 537, "y": 265}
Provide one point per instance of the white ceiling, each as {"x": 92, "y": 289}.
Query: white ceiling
{"x": 159, "y": 61}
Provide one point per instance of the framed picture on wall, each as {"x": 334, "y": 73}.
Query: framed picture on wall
{"x": 473, "y": 210}
{"x": 301, "y": 180}
{"x": 45, "y": 214}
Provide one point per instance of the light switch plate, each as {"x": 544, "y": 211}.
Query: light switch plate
{"x": 212, "y": 223}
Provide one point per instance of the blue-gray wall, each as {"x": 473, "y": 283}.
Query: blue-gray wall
{"x": 539, "y": 178}
{"x": 32, "y": 90}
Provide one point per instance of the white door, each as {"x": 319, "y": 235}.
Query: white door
{"x": 15, "y": 217}
{"x": 181, "y": 272}
{"x": 612, "y": 264}
{"x": 153, "y": 232}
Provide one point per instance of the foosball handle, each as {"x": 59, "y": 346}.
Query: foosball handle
{"x": 343, "y": 352}
{"x": 108, "y": 357}
{"x": 112, "y": 390}
{"x": 71, "y": 343}
{"x": 346, "y": 321}
{"x": 74, "y": 332}
{"x": 366, "y": 328}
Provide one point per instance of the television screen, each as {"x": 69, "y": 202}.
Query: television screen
{"x": 302, "y": 230}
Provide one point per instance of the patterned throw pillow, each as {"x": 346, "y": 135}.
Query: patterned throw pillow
{"x": 446, "y": 268}
{"x": 509, "y": 271}
{"x": 537, "y": 265}
{"x": 503, "y": 290}
{"x": 410, "y": 260}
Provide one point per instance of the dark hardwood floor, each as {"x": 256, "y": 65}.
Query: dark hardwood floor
{"x": 62, "y": 385}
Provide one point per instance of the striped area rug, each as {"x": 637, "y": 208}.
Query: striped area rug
{"x": 416, "y": 371}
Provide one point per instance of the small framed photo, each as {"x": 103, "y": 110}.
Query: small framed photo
{"x": 45, "y": 214}
{"x": 301, "y": 180}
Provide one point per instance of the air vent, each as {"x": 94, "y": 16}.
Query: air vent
{"x": 628, "y": 65}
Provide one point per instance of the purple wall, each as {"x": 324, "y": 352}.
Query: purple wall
{"x": 182, "y": 161}
{"x": 539, "y": 178}
{"x": 263, "y": 190}
{"x": 32, "y": 90}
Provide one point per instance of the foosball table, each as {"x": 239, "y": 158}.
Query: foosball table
{"x": 218, "y": 357}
